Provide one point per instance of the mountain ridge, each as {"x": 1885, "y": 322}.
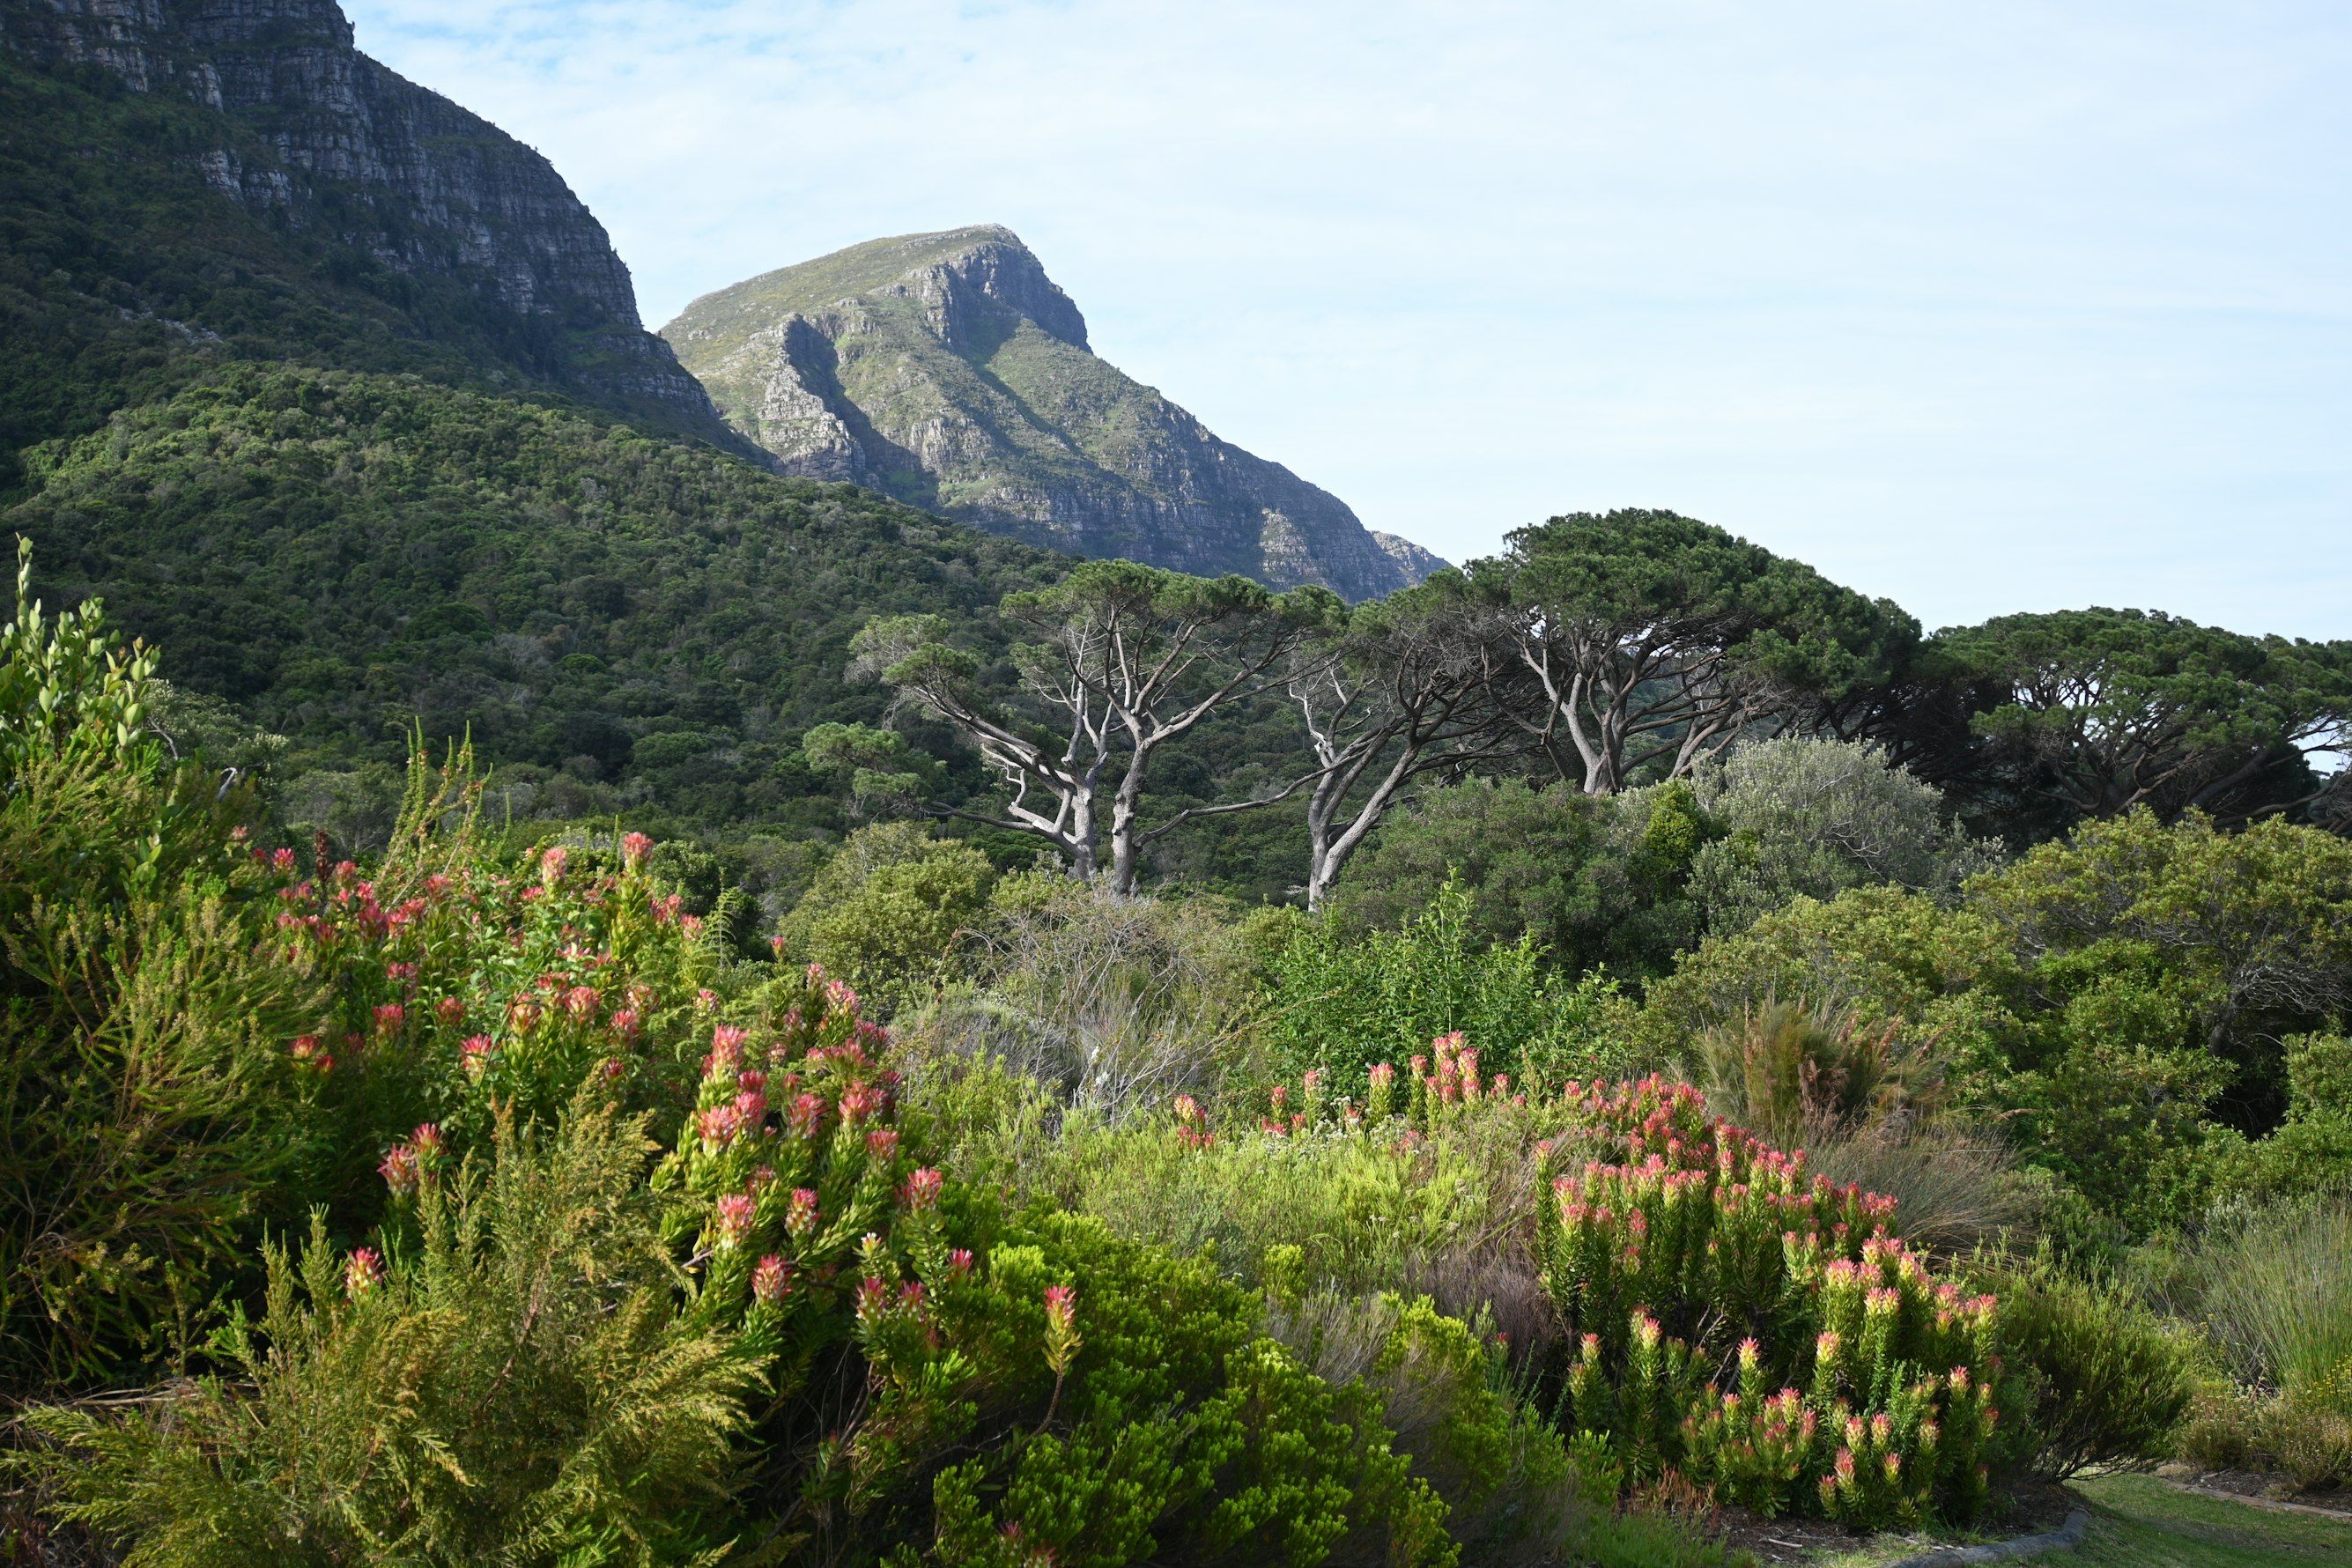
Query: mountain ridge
{"x": 948, "y": 370}
{"x": 349, "y": 176}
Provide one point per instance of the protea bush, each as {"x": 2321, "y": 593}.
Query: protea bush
{"x": 1726, "y": 1314}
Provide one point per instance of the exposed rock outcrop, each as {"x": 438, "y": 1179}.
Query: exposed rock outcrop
{"x": 951, "y": 371}
{"x": 386, "y": 166}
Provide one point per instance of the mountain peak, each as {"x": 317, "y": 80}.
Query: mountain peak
{"x": 951, "y": 371}
{"x": 950, "y": 272}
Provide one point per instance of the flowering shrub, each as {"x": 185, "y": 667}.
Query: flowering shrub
{"x": 1729, "y": 1317}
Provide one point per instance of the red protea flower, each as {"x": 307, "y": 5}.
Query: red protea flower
{"x": 716, "y": 1126}
{"x": 859, "y": 1101}
{"x": 389, "y": 1018}
{"x": 552, "y": 864}
{"x": 634, "y": 847}
{"x": 363, "y": 1273}
{"x": 808, "y": 1110}
{"x": 923, "y": 1189}
{"x": 400, "y": 971}
{"x": 771, "y": 1279}
{"x": 1062, "y": 1340}
{"x": 450, "y": 1010}
{"x": 840, "y": 997}
{"x": 801, "y": 1215}
{"x": 882, "y": 1145}
{"x": 733, "y": 1220}
{"x": 873, "y": 1299}
{"x": 751, "y": 1107}
{"x": 581, "y": 1001}
{"x": 960, "y": 1262}
{"x": 475, "y": 1055}
{"x": 726, "y": 1052}
{"x": 282, "y": 860}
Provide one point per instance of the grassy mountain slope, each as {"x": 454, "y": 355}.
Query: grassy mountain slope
{"x": 951, "y": 371}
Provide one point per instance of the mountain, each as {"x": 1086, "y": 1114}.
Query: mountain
{"x": 182, "y": 180}
{"x": 337, "y": 395}
{"x": 950, "y": 370}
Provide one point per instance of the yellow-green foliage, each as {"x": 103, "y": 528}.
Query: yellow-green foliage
{"x": 510, "y": 1387}
{"x": 889, "y": 910}
{"x": 145, "y": 1102}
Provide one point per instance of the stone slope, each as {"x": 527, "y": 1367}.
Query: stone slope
{"x": 950, "y": 370}
{"x": 326, "y": 141}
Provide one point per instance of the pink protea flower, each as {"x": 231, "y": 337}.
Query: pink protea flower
{"x": 581, "y": 1001}
{"x": 800, "y": 1216}
{"x": 305, "y": 1049}
{"x": 389, "y": 1018}
{"x": 706, "y": 1000}
{"x": 840, "y": 997}
{"x": 363, "y": 1273}
{"x": 960, "y": 1262}
{"x": 882, "y": 1145}
{"x": 859, "y": 1101}
{"x": 1188, "y": 1111}
{"x": 552, "y": 864}
{"x": 750, "y": 1108}
{"x": 1383, "y": 1075}
{"x": 771, "y": 1279}
{"x": 522, "y": 1013}
{"x": 634, "y": 847}
{"x": 718, "y": 1126}
{"x": 776, "y": 945}
{"x": 873, "y": 1299}
{"x": 1843, "y": 1468}
{"x": 450, "y": 1010}
{"x": 691, "y": 925}
{"x": 733, "y": 1218}
{"x": 807, "y": 1112}
{"x": 399, "y": 1170}
{"x": 429, "y": 1146}
{"x": 475, "y": 1055}
{"x": 726, "y": 1055}
{"x": 923, "y": 1189}
{"x": 399, "y": 970}
{"x": 282, "y": 860}
{"x": 627, "y": 1022}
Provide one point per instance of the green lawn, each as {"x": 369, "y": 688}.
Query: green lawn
{"x": 2138, "y": 1522}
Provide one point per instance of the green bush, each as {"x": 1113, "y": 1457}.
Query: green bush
{"x": 1587, "y": 881}
{"x": 1812, "y": 817}
{"x": 1341, "y": 1005}
{"x": 2276, "y": 1295}
{"x": 889, "y": 912}
{"x": 511, "y": 1386}
{"x": 2111, "y": 1380}
{"x": 148, "y": 1112}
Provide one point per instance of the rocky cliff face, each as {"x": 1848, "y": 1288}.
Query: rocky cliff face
{"x": 408, "y": 177}
{"x": 951, "y": 371}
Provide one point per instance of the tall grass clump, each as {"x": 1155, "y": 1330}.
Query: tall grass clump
{"x": 2277, "y": 1296}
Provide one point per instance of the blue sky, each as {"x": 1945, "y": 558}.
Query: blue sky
{"x": 1984, "y": 308}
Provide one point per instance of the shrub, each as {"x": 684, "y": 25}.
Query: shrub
{"x": 147, "y": 1108}
{"x": 1737, "y": 1323}
{"x": 1790, "y": 1070}
{"x": 1341, "y": 1005}
{"x": 1814, "y": 816}
{"x": 513, "y": 1387}
{"x": 889, "y": 910}
{"x": 1115, "y": 1002}
{"x": 1587, "y": 881}
{"x": 2112, "y": 1380}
